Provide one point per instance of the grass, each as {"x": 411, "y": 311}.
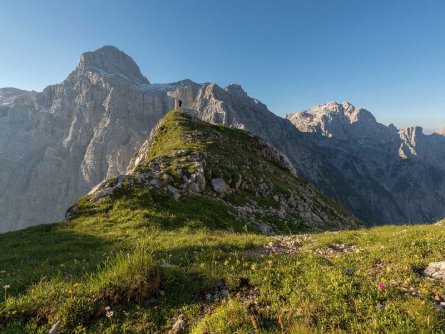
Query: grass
{"x": 302, "y": 292}
{"x": 143, "y": 258}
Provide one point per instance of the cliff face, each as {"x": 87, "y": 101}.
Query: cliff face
{"x": 57, "y": 144}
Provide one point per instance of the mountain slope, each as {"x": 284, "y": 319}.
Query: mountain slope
{"x": 163, "y": 247}
{"x": 254, "y": 182}
{"x": 232, "y": 107}
{"x": 400, "y": 171}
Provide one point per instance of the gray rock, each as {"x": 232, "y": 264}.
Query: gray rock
{"x": 179, "y": 326}
{"x": 436, "y": 270}
{"x": 220, "y": 186}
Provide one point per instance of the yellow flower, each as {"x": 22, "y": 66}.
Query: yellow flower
{"x": 253, "y": 266}
{"x": 226, "y": 262}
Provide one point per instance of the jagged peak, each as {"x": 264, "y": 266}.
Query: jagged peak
{"x": 110, "y": 61}
{"x": 344, "y": 110}
{"x": 11, "y": 91}
{"x": 440, "y": 132}
{"x": 236, "y": 89}
{"x": 412, "y": 131}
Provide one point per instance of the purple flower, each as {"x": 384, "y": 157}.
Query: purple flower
{"x": 381, "y": 286}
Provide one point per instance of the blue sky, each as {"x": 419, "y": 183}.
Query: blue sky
{"x": 387, "y": 56}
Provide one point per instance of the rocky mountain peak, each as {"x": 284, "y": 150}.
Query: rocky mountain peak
{"x": 441, "y": 131}
{"x": 8, "y": 92}
{"x": 236, "y": 90}
{"x": 109, "y": 61}
{"x": 341, "y": 121}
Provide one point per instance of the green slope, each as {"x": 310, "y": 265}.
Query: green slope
{"x": 151, "y": 255}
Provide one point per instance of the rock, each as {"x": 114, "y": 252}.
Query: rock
{"x": 56, "y": 327}
{"x": 179, "y": 326}
{"x": 220, "y": 186}
{"x": 436, "y": 270}
{"x": 176, "y": 193}
{"x": 335, "y": 250}
{"x": 263, "y": 227}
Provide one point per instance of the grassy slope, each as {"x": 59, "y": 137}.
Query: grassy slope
{"x": 118, "y": 251}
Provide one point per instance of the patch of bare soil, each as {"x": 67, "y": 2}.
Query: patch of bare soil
{"x": 335, "y": 250}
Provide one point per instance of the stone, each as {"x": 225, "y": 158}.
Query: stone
{"x": 179, "y": 326}
{"x": 436, "y": 270}
{"x": 220, "y": 186}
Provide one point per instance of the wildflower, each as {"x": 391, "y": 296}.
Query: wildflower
{"x": 109, "y": 312}
{"x": 381, "y": 286}
{"x": 68, "y": 277}
{"x": 253, "y": 266}
{"x": 226, "y": 262}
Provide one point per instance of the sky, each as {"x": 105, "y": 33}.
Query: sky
{"x": 387, "y": 56}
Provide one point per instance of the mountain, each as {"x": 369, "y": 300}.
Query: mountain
{"x": 400, "y": 171}
{"x": 57, "y": 144}
{"x": 177, "y": 245}
{"x": 242, "y": 174}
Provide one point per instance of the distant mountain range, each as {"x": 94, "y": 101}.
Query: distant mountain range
{"x": 56, "y": 145}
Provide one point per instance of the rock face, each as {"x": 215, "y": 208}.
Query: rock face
{"x": 57, "y": 144}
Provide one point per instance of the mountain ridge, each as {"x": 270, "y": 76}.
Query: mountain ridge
{"x": 74, "y": 135}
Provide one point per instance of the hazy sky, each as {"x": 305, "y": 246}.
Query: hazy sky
{"x": 386, "y": 56}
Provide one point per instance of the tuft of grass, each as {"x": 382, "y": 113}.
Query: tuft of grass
{"x": 232, "y": 316}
